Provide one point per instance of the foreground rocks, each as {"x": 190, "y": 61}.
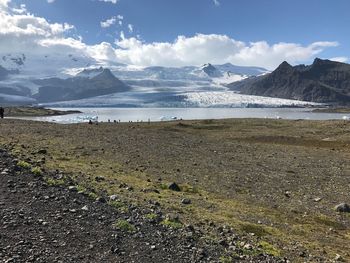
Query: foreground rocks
{"x": 40, "y": 223}
{"x": 343, "y": 208}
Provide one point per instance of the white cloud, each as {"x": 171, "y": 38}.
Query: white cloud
{"x": 108, "y": 22}
{"x": 110, "y": 1}
{"x": 340, "y": 59}
{"x": 216, "y": 2}
{"x": 4, "y": 4}
{"x": 23, "y": 32}
{"x": 131, "y": 28}
{"x": 201, "y": 49}
{"x": 112, "y": 21}
{"x": 50, "y": 1}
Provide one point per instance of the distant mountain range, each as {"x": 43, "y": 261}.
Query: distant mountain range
{"x": 86, "y": 84}
{"x": 26, "y": 81}
{"x": 48, "y": 79}
{"x": 324, "y": 81}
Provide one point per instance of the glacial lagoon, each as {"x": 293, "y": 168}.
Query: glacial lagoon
{"x": 168, "y": 114}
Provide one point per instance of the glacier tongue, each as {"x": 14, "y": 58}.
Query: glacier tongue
{"x": 233, "y": 99}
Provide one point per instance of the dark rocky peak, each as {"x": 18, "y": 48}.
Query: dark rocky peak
{"x": 319, "y": 61}
{"x": 208, "y": 66}
{"x": 106, "y": 73}
{"x": 284, "y": 67}
{"x": 90, "y": 73}
{"x": 210, "y": 70}
{"x": 323, "y": 65}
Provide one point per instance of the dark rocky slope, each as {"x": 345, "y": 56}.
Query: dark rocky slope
{"x": 324, "y": 81}
{"x": 56, "y": 89}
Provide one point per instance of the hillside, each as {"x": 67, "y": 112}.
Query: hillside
{"x": 324, "y": 81}
{"x": 56, "y": 89}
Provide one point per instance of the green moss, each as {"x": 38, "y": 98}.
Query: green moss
{"x": 269, "y": 249}
{"x": 24, "y": 165}
{"x": 329, "y": 222}
{"x": 92, "y": 195}
{"x": 119, "y": 205}
{"x": 225, "y": 259}
{"x": 256, "y": 229}
{"x": 54, "y": 182}
{"x": 151, "y": 216}
{"x": 81, "y": 189}
{"x": 171, "y": 223}
{"x": 124, "y": 226}
{"x": 189, "y": 189}
{"x": 36, "y": 171}
{"x": 163, "y": 186}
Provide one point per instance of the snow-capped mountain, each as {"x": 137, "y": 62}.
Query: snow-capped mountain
{"x": 82, "y": 82}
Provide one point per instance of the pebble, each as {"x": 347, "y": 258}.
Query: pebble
{"x": 186, "y": 201}
{"x": 73, "y": 188}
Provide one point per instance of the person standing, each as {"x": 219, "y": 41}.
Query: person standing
{"x": 2, "y": 112}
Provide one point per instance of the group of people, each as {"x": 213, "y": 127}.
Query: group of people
{"x": 2, "y": 112}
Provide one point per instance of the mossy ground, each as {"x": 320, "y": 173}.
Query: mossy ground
{"x": 260, "y": 177}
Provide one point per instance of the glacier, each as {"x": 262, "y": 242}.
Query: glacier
{"x": 190, "y": 86}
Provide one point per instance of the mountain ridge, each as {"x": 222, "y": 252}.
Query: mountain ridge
{"x": 323, "y": 81}
{"x": 56, "y": 89}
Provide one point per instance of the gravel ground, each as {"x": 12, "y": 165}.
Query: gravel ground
{"x": 40, "y": 223}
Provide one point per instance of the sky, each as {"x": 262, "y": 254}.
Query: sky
{"x": 179, "y": 32}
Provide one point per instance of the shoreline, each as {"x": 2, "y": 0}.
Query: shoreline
{"x": 22, "y": 111}
{"x": 139, "y": 115}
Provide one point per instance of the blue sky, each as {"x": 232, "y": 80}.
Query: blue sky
{"x": 301, "y": 22}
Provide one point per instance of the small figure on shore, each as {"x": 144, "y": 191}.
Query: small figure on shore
{"x": 90, "y": 121}
{"x": 2, "y": 110}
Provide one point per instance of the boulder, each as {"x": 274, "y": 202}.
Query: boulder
{"x": 343, "y": 208}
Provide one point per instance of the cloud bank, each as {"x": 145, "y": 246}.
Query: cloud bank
{"x": 21, "y": 32}
{"x": 216, "y": 49}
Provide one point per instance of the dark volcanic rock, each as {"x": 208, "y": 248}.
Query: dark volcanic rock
{"x": 174, "y": 187}
{"x": 324, "y": 81}
{"x": 343, "y": 207}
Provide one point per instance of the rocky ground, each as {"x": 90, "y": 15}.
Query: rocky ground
{"x": 274, "y": 182}
{"x": 44, "y": 223}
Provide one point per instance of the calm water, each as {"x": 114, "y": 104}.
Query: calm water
{"x": 163, "y": 114}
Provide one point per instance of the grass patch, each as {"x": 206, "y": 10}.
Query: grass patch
{"x": 329, "y": 222}
{"x": 92, "y": 195}
{"x": 163, "y": 186}
{"x": 118, "y": 205}
{"x": 54, "y": 182}
{"x": 36, "y": 171}
{"x": 151, "y": 216}
{"x": 171, "y": 223}
{"x": 269, "y": 249}
{"x": 124, "y": 226}
{"x": 24, "y": 165}
{"x": 189, "y": 189}
{"x": 255, "y": 229}
{"x": 81, "y": 189}
{"x": 225, "y": 259}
